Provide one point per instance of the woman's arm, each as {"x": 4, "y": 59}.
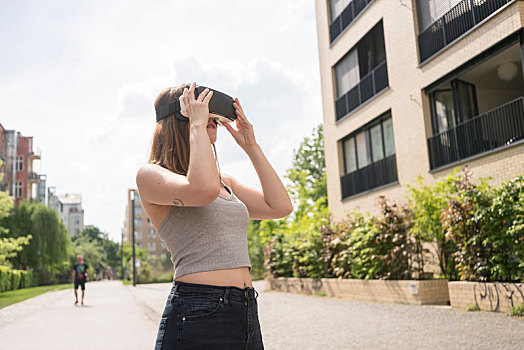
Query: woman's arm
{"x": 274, "y": 202}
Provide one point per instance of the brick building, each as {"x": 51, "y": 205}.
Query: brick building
{"x": 418, "y": 87}
{"x": 145, "y": 234}
{"x": 20, "y": 179}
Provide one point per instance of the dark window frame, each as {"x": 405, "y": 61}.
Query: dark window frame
{"x": 366, "y": 128}
{"x": 372, "y": 83}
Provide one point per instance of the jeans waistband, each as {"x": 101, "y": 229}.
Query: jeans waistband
{"x": 232, "y": 292}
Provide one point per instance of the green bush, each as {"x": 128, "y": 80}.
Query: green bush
{"x": 163, "y": 277}
{"x": 16, "y": 279}
{"x": 517, "y": 311}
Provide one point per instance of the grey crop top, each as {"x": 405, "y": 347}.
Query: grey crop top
{"x": 209, "y": 237}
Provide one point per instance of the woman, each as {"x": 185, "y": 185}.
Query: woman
{"x": 202, "y": 215}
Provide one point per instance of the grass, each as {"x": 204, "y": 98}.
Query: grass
{"x": 472, "y": 307}
{"x": 517, "y": 311}
{"x": 16, "y": 296}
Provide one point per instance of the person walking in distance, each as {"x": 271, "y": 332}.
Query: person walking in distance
{"x": 80, "y": 276}
{"x": 202, "y": 216}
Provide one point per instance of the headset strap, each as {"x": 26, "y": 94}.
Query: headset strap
{"x": 166, "y": 111}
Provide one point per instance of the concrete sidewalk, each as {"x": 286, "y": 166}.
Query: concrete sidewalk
{"x": 110, "y": 319}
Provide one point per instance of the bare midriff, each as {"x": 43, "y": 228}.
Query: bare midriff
{"x": 238, "y": 277}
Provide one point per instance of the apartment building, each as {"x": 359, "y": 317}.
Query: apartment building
{"x": 145, "y": 234}
{"x": 69, "y": 209}
{"x": 19, "y": 177}
{"x": 418, "y": 87}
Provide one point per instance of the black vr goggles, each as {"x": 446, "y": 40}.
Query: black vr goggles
{"x": 220, "y": 105}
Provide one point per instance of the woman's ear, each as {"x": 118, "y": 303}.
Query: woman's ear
{"x": 182, "y": 106}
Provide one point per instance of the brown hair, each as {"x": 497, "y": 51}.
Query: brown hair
{"x": 170, "y": 145}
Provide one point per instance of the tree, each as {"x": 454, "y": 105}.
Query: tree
{"x": 294, "y": 247}
{"x": 49, "y": 248}
{"x": 97, "y": 248}
{"x": 308, "y": 174}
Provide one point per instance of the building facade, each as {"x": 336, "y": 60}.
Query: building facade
{"x": 19, "y": 179}
{"x": 145, "y": 234}
{"x": 69, "y": 209}
{"x": 418, "y": 87}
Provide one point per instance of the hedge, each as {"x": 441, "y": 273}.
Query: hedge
{"x": 16, "y": 279}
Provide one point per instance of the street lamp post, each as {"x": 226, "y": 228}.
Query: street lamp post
{"x": 133, "y": 234}
{"x": 122, "y": 256}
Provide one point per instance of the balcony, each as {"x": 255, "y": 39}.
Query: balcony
{"x": 370, "y": 177}
{"x": 346, "y": 17}
{"x": 33, "y": 177}
{"x": 481, "y": 109}
{"x": 456, "y": 22}
{"x": 33, "y": 156}
{"x": 496, "y": 128}
{"x": 370, "y": 85}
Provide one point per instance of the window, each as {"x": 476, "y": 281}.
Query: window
{"x": 151, "y": 233}
{"x": 347, "y": 72}
{"x": 149, "y": 222}
{"x": 362, "y": 72}
{"x": 137, "y": 197}
{"x": 77, "y": 220}
{"x": 452, "y": 104}
{"x": 369, "y": 157}
{"x": 369, "y": 145}
{"x": 350, "y": 154}
{"x": 77, "y": 231}
{"x": 429, "y": 11}
{"x": 139, "y": 244}
{"x": 138, "y": 210}
{"x": 151, "y": 246}
{"x": 163, "y": 245}
{"x": 19, "y": 163}
{"x": 19, "y": 189}
{"x": 337, "y": 6}
{"x": 343, "y": 13}
{"x": 363, "y": 151}
{"x": 138, "y": 222}
{"x": 138, "y": 234}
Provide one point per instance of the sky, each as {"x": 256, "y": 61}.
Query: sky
{"x": 81, "y": 77}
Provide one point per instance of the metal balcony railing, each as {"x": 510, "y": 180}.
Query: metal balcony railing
{"x": 33, "y": 176}
{"x": 370, "y": 85}
{"x": 501, "y": 126}
{"x": 348, "y": 15}
{"x": 369, "y": 177}
{"x": 457, "y": 21}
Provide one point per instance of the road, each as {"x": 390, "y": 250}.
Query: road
{"x": 126, "y": 317}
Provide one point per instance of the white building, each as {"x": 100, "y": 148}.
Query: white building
{"x": 69, "y": 208}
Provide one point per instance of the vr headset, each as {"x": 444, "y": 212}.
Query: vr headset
{"x": 220, "y": 106}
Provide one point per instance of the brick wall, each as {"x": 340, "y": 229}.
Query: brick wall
{"x": 486, "y": 296}
{"x": 406, "y": 292}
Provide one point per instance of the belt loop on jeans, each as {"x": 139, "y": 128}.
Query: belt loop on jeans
{"x": 226, "y": 293}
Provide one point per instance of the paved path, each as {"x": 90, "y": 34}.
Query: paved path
{"x": 126, "y": 317}
{"x": 110, "y": 319}
{"x": 291, "y": 321}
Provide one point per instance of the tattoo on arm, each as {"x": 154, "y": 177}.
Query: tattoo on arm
{"x": 178, "y": 202}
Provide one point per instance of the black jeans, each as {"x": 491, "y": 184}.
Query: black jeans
{"x": 203, "y": 316}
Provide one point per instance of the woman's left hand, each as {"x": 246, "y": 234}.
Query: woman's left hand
{"x": 245, "y": 136}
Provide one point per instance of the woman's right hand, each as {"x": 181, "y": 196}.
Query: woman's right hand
{"x": 197, "y": 110}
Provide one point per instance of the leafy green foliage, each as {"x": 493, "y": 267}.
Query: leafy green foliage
{"x": 426, "y": 203}
{"x": 292, "y": 246}
{"x": 517, "y": 311}
{"x": 10, "y": 247}
{"x": 97, "y": 249}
